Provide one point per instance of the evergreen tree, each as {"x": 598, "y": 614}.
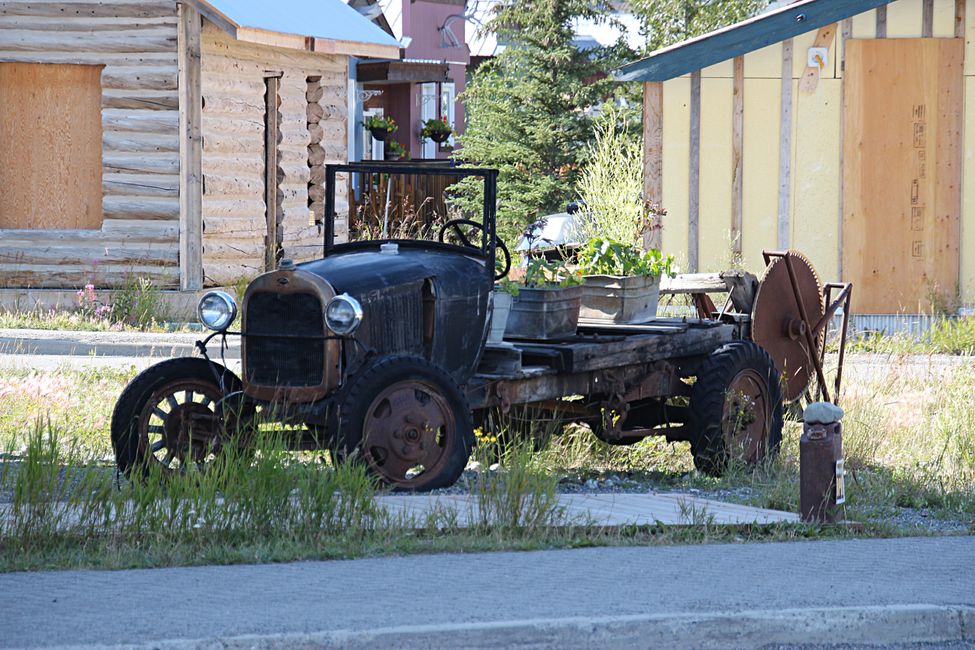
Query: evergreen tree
{"x": 527, "y": 107}
{"x": 666, "y": 22}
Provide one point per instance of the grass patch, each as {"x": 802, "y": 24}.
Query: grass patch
{"x": 955, "y": 336}
{"x": 908, "y": 438}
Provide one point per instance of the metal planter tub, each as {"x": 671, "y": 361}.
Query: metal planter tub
{"x": 620, "y": 299}
{"x": 544, "y": 314}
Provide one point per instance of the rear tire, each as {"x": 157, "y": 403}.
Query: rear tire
{"x": 409, "y": 422}
{"x": 735, "y": 410}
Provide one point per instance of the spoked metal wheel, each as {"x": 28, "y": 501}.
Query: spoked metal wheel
{"x": 410, "y": 423}
{"x": 178, "y": 423}
{"x": 172, "y": 415}
{"x": 407, "y": 431}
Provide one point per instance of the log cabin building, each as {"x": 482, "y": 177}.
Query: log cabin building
{"x": 842, "y": 128}
{"x": 178, "y": 140}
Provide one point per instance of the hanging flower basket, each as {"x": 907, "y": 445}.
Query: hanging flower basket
{"x": 380, "y": 127}
{"x": 437, "y": 130}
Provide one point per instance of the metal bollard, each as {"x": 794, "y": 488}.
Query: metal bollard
{"x": 821, "y": 475}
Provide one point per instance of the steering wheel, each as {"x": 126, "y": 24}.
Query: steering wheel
{"x": 454, "y": 225}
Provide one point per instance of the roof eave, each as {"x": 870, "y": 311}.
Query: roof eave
{"x": 747, "y": 36}
{"x": 294, "y": 41}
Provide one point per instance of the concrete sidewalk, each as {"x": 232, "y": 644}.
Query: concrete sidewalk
{"x": 748, "y": 595}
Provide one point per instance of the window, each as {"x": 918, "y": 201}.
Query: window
{"x": 428, "y": 111}
{"x": 448, "y": 104}
{"x": 51, "y": 156}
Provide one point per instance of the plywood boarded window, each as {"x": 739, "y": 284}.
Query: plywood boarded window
{"x": 902, "y": 172}
{"x": 51, "y": 152}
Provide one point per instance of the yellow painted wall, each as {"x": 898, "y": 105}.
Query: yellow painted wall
{"x": 816, "y": 176}
{"x": 760, "y": 195}
{"x": 715, "y": 219}
{"x": 904, "y": 19}
{"x": 816, "y": 151}
{"x": 676, "y": 145}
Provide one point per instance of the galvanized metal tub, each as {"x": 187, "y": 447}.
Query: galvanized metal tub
{"x": 543, "y": 314}
{"x": 620, "y": 299}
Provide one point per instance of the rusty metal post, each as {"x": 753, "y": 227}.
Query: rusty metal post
{"x": 821, "y": 475}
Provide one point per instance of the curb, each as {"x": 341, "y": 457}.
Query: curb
{"x": 864, "y": 625}
{"x": 106, "y": 344}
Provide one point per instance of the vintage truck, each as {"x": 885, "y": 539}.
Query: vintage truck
{"x": 378, "y": 351}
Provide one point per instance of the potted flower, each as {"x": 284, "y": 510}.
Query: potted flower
{"x": 394, "y": 150}
{"x": 621, "y": 281}
{"x": 437, "y": 130}
{"x": 547, "y": 303}
{"x": 380, "y": 127}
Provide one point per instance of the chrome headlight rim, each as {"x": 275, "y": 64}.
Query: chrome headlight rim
{"x": 343, "y": 299}
{"x": 226, "y": 319}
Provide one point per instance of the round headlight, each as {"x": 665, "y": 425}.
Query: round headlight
{"x": 343, "y": 314}
{"x": 217, "y": 310}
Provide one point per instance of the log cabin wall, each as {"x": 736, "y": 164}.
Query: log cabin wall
{"x": 136, "y": 42}
{"x": 312, "y": 112}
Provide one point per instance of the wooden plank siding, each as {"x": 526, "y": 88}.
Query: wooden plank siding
{"x": 136, "y": 42}
{"x": 792, "y": 170}
{"x": 234, "y": 208}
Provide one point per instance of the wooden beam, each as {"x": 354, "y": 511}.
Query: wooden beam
{"x": 810, "y": 78}
{"x": 653, "y": 167}
{"x": 882, "y": 21}
{"x": 785, "y": 148}
{"x": 960, "y": 18}
{"x": 927, "y": 19}
{"x": 190, "y": 149}
{"x": 737, "y": 150}
{"x": 753, "y": 34}
{"x": 694, "y": 176}
{"x": 272, "y": 129}
{"x": 846, "y": 33}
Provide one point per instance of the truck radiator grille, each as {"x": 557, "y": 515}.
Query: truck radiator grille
{"x": 286, "y": 362}
{"x": 393, "y": 321}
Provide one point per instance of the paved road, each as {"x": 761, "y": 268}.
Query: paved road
{"x": 89, "y": 607}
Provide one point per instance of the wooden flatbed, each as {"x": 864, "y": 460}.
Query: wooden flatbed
{"x": 601, "y": 361}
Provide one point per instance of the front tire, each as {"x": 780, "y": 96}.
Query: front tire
{"x": 160, "y": 415}
{"x": 409, "y": 422}
{"x": 735, "y": 412}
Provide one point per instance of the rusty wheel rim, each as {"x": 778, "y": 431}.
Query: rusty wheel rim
{"x": 171, "y": 425}
{"x": 408, "y": 433}
{"x": 745, "y": 418}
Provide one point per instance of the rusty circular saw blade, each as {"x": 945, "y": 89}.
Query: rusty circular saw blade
{"x": 775, "y": 308}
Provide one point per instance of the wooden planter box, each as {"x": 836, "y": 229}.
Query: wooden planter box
{"x": 620, "y": 300}
{"x": 543, "y": 314}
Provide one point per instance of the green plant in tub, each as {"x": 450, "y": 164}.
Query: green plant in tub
{"x": 611, "y": 257}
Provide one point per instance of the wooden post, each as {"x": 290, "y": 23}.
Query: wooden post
{"x": 694, "y": 177}
{"x": 927, "y": 19}
{"x": 882, "y": 21}
{"x": 653, "y": 131}
{"x": 737, "y": 151}
{"x": 190, "y": 149}
{"x": 271, "y": 134}
{"x": 785, "y": 148}
{"x": 959, "y": 18}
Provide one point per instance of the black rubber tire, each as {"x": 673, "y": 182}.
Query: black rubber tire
{"x": 708, "y": 397}
{"x": 124, "y": 429}
{"x": 369, "y": 383}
